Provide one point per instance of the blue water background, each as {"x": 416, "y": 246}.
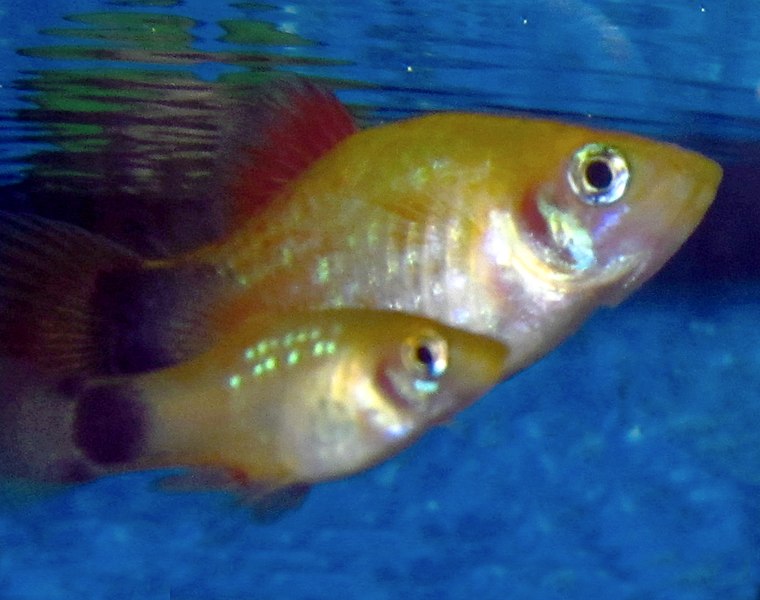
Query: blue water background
{"x": 625, "y": 465}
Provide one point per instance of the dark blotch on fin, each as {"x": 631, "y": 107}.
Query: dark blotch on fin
{"x": 110, "y": 424}
{"x": 153, "y": 318}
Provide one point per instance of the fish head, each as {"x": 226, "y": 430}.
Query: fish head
{"x": 394, "y": 376}
{"x": 429, "y": 371}
{"x": 519, "y": 228}
{"x": 610, "y": 209}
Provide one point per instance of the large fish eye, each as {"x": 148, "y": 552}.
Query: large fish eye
{"x": 426, "y": 356}
{"x": 598, "y": 174}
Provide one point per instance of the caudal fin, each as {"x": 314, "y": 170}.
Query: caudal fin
{"x": 76, "y": 304}
{"x": 48, "y": 274}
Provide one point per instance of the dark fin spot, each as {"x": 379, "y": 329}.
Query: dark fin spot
{"x": 296, "y": 123}
{"x": 110, "y": 424}
{"x": 153, "y": 318}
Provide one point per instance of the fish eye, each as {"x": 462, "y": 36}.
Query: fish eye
{"x": 598, "y": 174}
{"x": 427, "y": 356}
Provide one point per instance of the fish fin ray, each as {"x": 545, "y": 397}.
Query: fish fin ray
{"x": 297, "y": 123}
{"x": 76, "y": 303}
{"x": 47, "y": 273}
{"x": 152, "y": 318}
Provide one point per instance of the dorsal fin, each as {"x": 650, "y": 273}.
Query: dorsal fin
{"x": 298, "y": 122}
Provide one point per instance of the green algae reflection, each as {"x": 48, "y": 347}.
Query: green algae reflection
{"x": 133, "y": 117}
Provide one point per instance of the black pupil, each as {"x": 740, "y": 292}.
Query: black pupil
{"x": 425, "y": 356}
{"x": 598, "y": 174}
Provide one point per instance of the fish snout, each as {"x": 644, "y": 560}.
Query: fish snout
{"x": 474, "y": 369}
{"x": 673, "y": 192}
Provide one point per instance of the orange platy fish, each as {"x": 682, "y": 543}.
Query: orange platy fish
{"x": 281, "y": 401}
{"x": 514, "y": 228}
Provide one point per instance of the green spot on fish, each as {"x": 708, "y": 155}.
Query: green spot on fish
{"x": 287, "y": 257}
{"x": 323, "y": 270}
{"x": 293, "y": 357}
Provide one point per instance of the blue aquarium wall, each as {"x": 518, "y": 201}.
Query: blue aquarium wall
{"x": 626, "y": 464}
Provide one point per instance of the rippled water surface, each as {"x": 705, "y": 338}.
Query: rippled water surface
{"x": 624, "y": 465}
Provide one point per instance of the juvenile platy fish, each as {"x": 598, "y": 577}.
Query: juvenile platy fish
{"x": 281, "y": 401}
{"x": 514, "y": 228}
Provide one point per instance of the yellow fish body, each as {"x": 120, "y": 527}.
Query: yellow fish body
{"x": 282, "y": 400}
{"x": 513, "y": 228}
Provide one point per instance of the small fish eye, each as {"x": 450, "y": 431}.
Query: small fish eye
{"x": 598, "y": 174}
{"x": 427, "y": 356}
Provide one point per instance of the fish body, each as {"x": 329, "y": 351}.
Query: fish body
{"x": 486, "y": 223}
{"x": 513, "y": 228}
{"x": 283, "y": 400}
